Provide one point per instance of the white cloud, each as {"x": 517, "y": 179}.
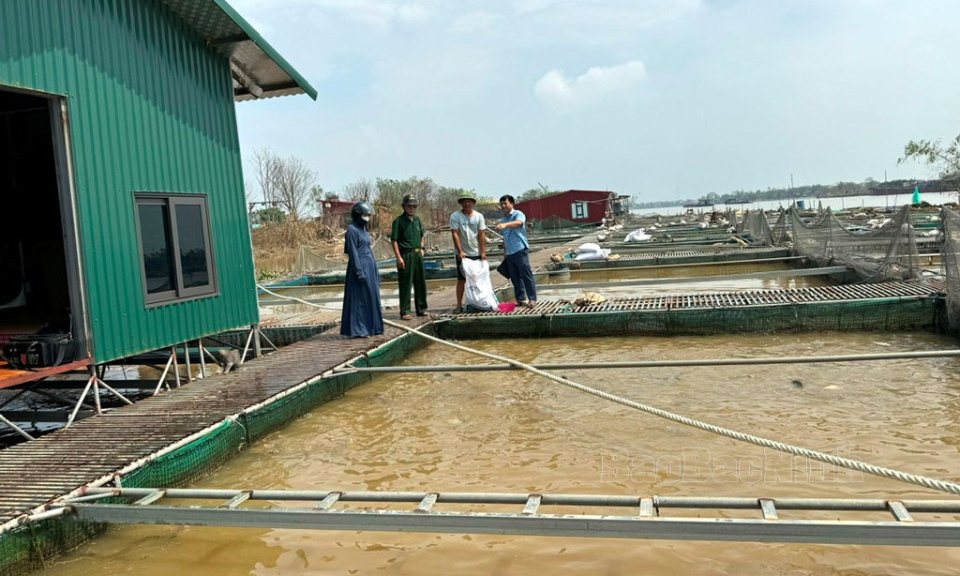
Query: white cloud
{"x": 474, "y": 22}
{"x": 556, "y": 89}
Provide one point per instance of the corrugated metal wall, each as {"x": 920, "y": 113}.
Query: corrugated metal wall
{"x": 559, "y": 206}
{"x": 151, "y": 109}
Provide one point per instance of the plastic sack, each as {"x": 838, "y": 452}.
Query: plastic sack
{"x": 588, "y": 248}
{"x": 478, "y": 292}
{"x": 602, "y": 254}
{"x": 638, "y": 236}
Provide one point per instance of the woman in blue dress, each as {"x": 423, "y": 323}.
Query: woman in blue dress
{"x": 362, "y": 316}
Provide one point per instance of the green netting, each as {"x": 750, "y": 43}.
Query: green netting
{"x": 270, "y": 417}
{"x": 189, "y": 462}
{"x": 892, "y": 314}
{"x": 32, "y": 548}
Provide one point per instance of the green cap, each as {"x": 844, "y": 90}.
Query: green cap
{"x": 467, "y": 195}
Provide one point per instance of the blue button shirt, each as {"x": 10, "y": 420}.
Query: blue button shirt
{"x": 515, "y": 239}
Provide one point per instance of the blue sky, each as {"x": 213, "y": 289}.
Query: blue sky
{"x": 638, "y": 96}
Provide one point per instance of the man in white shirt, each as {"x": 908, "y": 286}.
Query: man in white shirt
{"x": 467, "y": 227}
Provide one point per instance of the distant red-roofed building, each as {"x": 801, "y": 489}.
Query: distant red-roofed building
{"x": 573, "y": 206}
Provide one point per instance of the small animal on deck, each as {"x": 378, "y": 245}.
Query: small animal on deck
{"x": 229, "y": 359}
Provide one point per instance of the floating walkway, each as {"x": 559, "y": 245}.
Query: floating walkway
{"x": 719, "y": 255}
{"x": 911, "y": 305}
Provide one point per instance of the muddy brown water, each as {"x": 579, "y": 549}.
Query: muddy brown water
{"x": 514, "y": 432}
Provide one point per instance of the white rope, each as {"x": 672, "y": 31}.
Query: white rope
{"x": 857, "y": 465}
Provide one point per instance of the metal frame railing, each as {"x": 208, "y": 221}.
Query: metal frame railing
{"x": 646, "y": 517}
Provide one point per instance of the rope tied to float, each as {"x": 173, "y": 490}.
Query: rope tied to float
{"x": 835, "y": 460}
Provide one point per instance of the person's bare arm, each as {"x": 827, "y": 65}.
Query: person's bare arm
{"x": 510, "y": 224}
{"x": 482, "y": 240}
{"x": 456, "y": 244}
{"x": 396, "y": 250}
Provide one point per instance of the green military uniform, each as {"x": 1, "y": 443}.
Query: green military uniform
{"x": 407, "y": 232}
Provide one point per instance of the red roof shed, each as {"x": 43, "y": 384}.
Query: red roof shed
{"x": 577, "y": 206}
{"x": 336, "y": 206}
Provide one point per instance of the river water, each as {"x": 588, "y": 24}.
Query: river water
{"x": 514, "y": 432}
{"x": 841, "y": 203}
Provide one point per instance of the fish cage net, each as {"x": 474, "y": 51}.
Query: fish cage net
{"x": 438, "y": 241}
{"x": 887, "y": 253}
{"x": 780, "y": 235}
{"x": 950, "y": 266}
{"x": 309, "y": 261}
{"x": 731, "y": 216}
{"x": 756, "y": 226}
{"x": 382, "y": 249}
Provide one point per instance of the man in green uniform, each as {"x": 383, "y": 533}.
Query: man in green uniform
{"x": 407, "y": 236}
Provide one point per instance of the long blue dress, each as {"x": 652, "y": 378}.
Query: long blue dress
{"x": 362, "y": 315}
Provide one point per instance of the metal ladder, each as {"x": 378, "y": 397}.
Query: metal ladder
{"x": 644, "y": 517}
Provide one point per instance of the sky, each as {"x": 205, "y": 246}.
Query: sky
{"x": 660, "y": 99}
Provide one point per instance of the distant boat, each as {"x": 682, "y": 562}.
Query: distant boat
{"x": 700, "y": 204}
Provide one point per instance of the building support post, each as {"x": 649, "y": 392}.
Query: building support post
{"x": 257, "y": 351}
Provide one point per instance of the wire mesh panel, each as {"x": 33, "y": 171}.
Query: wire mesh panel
{"x": 887, "y": 253}
{"x": 950, "y": 266}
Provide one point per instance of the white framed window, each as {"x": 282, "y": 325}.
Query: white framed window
{"x": 579, "y": 210}
{"x": 175, "y": 248}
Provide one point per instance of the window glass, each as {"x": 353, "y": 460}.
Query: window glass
{"x": 157, "y": 248}
{"x": 192, "y": 237}
{"x": 175, "y": 241}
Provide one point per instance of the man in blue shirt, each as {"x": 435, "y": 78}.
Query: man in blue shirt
{"x": 517, "y": 252}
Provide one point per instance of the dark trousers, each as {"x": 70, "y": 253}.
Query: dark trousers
{"x": 412, "y": 275}
{"x": 518, "y": 266}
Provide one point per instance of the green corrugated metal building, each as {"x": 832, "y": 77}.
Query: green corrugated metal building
{"x": 121, "y": 193}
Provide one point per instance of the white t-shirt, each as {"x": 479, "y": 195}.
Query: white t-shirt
{"x": 468, "y": 228}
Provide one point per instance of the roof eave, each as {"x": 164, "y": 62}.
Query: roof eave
{"x": 302, "y": 86}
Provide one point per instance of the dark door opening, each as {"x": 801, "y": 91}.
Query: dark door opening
{"x": 35, "y": 286}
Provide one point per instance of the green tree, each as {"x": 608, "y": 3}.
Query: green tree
{"x": 945, "y": 159}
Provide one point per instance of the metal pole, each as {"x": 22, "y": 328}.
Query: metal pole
{"x": 163, "y": 377}
{"x": 186, "y": 355}
{"x": 246, "y": 347}
{"x": 115, "y": 393}
{"x": 83, "y": 396}
{"x": 16, "y": 428}
{"x": 257, "y": 352}
{"x": 664, "y": 363}
{"x": 176, "y": 365}
{"x": 203, "y": 364}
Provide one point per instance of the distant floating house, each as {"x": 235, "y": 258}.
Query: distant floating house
{"x": 125, "y": 222}
{"x": 573, "y": 207}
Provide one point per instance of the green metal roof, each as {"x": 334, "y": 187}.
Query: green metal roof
{"x": 259, "y": 71}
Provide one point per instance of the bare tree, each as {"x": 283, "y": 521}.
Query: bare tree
{"x": 266, "y": 166}
{"x": 361, "y": 190}
{"x": 293, "y": 184}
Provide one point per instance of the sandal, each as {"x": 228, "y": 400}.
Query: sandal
{"x": 530, "y": 304}
{"x": 406, "y": 317}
